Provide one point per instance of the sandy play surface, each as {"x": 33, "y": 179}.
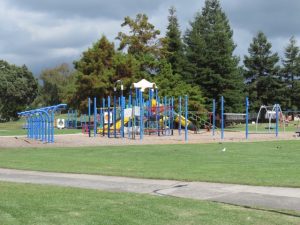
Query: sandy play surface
{"x": 80, "y": 140}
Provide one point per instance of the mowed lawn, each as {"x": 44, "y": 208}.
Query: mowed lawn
{"x": 264, "y": 127}
{"x": 261, "y": 163}
{"x": 24, "y": 204}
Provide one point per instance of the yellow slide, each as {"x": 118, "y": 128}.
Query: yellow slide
{"x": 190, "y": 125}
{"x": 182, "y": 120}
{"x": 118, "y": 125}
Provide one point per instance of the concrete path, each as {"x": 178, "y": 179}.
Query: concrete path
{"x": 244, "y": 195}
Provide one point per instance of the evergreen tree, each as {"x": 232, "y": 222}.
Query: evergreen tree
{"x": 170, "y": 84}
{"x": 262, "y": 73}
{"x": 98, "y": 69}
{"x": 212, "y": 64}
{"x": 142, "y": 37}
{"x": 18, "y": 89}
{"x": 142, "y": 42}
{"x": 291, "y": 72}
{"x": 174, "y": 43}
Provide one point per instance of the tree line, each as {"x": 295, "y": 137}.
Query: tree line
{"x": 199, "y": 62}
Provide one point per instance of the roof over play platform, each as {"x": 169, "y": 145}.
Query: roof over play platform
{"x": 144, "y": 84}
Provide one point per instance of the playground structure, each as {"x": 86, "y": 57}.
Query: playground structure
{"x": 144, "y": 112}
{"x": 156, "y": 115}
{"x": 40, "y": 122}
{"x": 137, "y": 115}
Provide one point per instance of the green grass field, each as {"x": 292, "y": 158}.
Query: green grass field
{"x": 24, "y": 204}
{"x": 262, "y": 163}
{"x": 263, "y": 128}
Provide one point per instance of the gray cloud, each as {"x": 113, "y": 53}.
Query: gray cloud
{"x": 275, "y": 18}
{"x": 42, "y": 34}
{"x": 112, "y": 9}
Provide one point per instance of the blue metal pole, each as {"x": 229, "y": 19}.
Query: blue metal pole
{"x": 214, "y": 117}
{"x": 179, "y": 119}
{"x": 277, "y": 119}
{"x": 247, "y": 117}
{"x": 108, "y": 109}
{"x": 222, "y": 117}
{"x": 186, "y": 118}
{"x": 89, "y": 111}
{"x": 46, "y": 129}
{"x": 35, "y": 127}
{"x": 130, "y": 118}
{"x": 172, "y": 114}
{"x": 122, "y": 116}
{"x": 31, "y": 126}
{"x": 43, "y": 129}
{"x": 133, "y": 123}
{"x": 115, "y": 114}
{"x": 141, "y": 114}
{"x": 49, "y": 129}
{"x": 103, "y": 108}
{"x": 157, "y": 115}
{"x": 38, "y": 127}
{"x": 52, "y": 126}
{"x": 165, "y": 114}
{"x": 169, "y": 116}
{"x": 95, "y": 116}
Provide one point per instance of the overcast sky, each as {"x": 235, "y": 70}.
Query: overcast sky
{"x": 45, "y": 33}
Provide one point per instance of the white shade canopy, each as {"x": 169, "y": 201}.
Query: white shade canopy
{"x": 144, "y": 84}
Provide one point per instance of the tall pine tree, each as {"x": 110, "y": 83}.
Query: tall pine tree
{"x": 98, "y": 69}
{"x": 212, "y": 64}
{"x": 262, "y": 73}
{"x": 174, "y": 43}
{"x": 291, "y": 73}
